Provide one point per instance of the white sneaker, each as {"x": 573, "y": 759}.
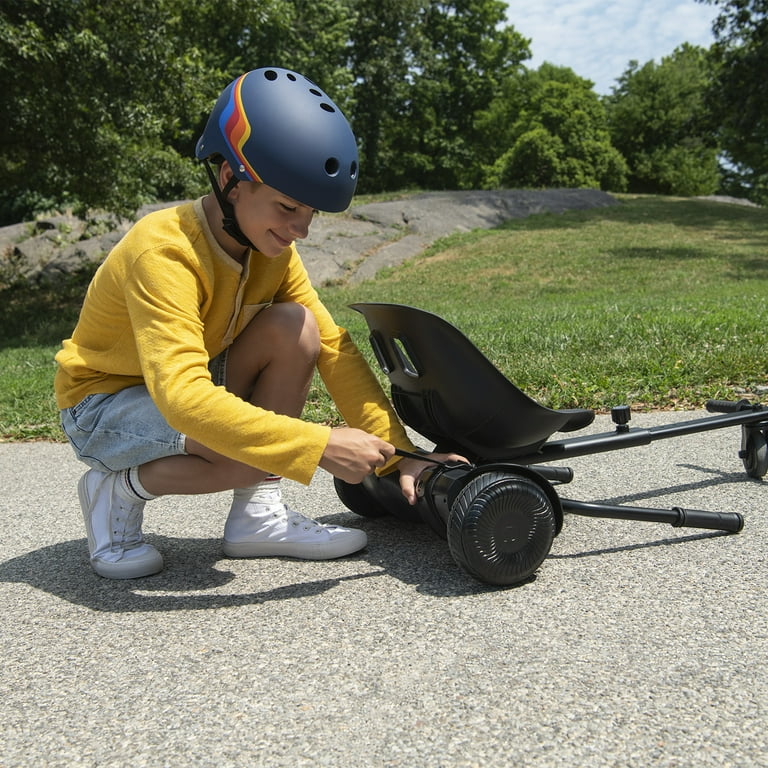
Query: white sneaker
{"x": 258, "y": 529}
{"x": 113, "y": 524}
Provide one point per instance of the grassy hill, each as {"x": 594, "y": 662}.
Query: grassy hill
{"x": 656, "y": 302}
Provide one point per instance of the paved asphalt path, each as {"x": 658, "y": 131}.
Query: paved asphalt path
{"x": 637, "y": 644}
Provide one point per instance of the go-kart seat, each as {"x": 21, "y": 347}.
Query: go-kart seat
{"x": 444, "y": 388}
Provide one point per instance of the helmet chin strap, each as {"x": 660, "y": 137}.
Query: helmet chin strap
{"x": 229, "y": 222}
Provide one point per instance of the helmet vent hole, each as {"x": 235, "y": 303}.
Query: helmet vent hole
{"x": 331, "y": 166}
{"x": 315, "y": 92}
{"x": 353, "y": 170}
{"x": 327, "y": 107}
{"x": 270, "y": 74}
{"x": 291, "y": 77}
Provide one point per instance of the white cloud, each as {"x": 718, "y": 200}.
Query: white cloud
{"x": 598, "y": 39}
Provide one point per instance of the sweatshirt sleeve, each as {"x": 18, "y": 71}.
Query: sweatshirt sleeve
{"x": 349, "y": 379}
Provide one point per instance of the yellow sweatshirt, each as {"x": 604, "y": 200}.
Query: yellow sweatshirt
{"x": 166, "y": 300}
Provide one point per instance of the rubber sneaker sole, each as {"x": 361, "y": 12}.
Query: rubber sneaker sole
{"x": 135, "y": 563}
{"x": 351, "y": 541}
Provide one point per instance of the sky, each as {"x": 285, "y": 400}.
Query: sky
{"x": 598, "y": 38}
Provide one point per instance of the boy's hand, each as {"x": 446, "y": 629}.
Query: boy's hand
{"x": 410, "y": 469}
{"x": 351, "y": 454}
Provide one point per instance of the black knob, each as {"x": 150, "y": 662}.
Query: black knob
{"x": 621, "y": 416}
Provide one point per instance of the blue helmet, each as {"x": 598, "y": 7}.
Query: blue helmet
{"x": 276, "y": 126}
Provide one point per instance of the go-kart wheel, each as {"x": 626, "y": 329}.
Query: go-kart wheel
{"x": 755, "y": 453}
{"x": 501, "y": 528}
{"x": 358, "y": 499}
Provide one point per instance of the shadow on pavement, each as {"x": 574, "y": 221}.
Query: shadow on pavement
{"x": 196, "y": 570}
{"x": 191, "y": 569}
{"x": 643, "y": 545}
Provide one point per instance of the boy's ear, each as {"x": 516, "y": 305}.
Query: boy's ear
{"x": 228, "y": 182}
{"x": 225, "y": 173}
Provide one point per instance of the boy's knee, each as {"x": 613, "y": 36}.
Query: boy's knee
{"x": 294, "y": 323}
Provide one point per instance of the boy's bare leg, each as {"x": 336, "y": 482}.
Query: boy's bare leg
{"x": 270, "y": 364}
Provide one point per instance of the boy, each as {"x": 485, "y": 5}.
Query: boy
{"x": 194, "y": 352}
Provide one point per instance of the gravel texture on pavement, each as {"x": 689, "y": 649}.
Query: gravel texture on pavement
{"x": 637, "y": 644}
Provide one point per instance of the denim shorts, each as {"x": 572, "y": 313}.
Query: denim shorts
{"x": 123, "y": 430}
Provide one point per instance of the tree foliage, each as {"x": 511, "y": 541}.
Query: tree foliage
{"x": 381, "y": 54}
{"x": 738, "y": 93}
{"x": 660, "y": 122}
{"x": 425, "y": 69}
{"x": 96, "y": 98}
{"x": 556, "y": 133}
{"x": 103, "y": 101}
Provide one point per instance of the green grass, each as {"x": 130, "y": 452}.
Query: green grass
{"x": 656, "y": 302}
{"x": 33, "y": 320}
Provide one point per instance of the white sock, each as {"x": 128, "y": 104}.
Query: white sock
{"x": 132, "y": 487}
{"x": 252, "y": 508}
{"x": 265, "y": 492}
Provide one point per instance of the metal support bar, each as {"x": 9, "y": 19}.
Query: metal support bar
{"x": 559, "y": 450}
{"x": 676, "y": 516}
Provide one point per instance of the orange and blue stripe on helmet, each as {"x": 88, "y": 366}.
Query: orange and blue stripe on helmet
{"x": 236, "y": 128}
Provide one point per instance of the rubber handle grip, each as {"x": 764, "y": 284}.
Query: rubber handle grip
{"x": 732, "y": 522}
{"x": 555, "y": 474}
{"x": 728, "y": 406}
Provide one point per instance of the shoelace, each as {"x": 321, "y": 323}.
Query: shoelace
{"x": 296, "y": 519}
{"x": 128, "y": 515}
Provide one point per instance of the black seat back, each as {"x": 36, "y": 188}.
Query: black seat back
{"x": 447, "y": 390}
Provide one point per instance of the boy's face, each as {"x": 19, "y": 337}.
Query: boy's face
{"x": 268, "y": 218}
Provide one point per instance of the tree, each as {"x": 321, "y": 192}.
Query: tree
{"x": 94, "y": 96}
{"x": 309, "y": 36}
{"x": 425, "y": 69}
{"x": 659, "y": 120}
{"x": 557, "y": 136}
{"x": 466, "y": 57}
{"x": 739, "y": 93}
{"x": 381, "y": 55}
{"x": 103, "y": 101}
